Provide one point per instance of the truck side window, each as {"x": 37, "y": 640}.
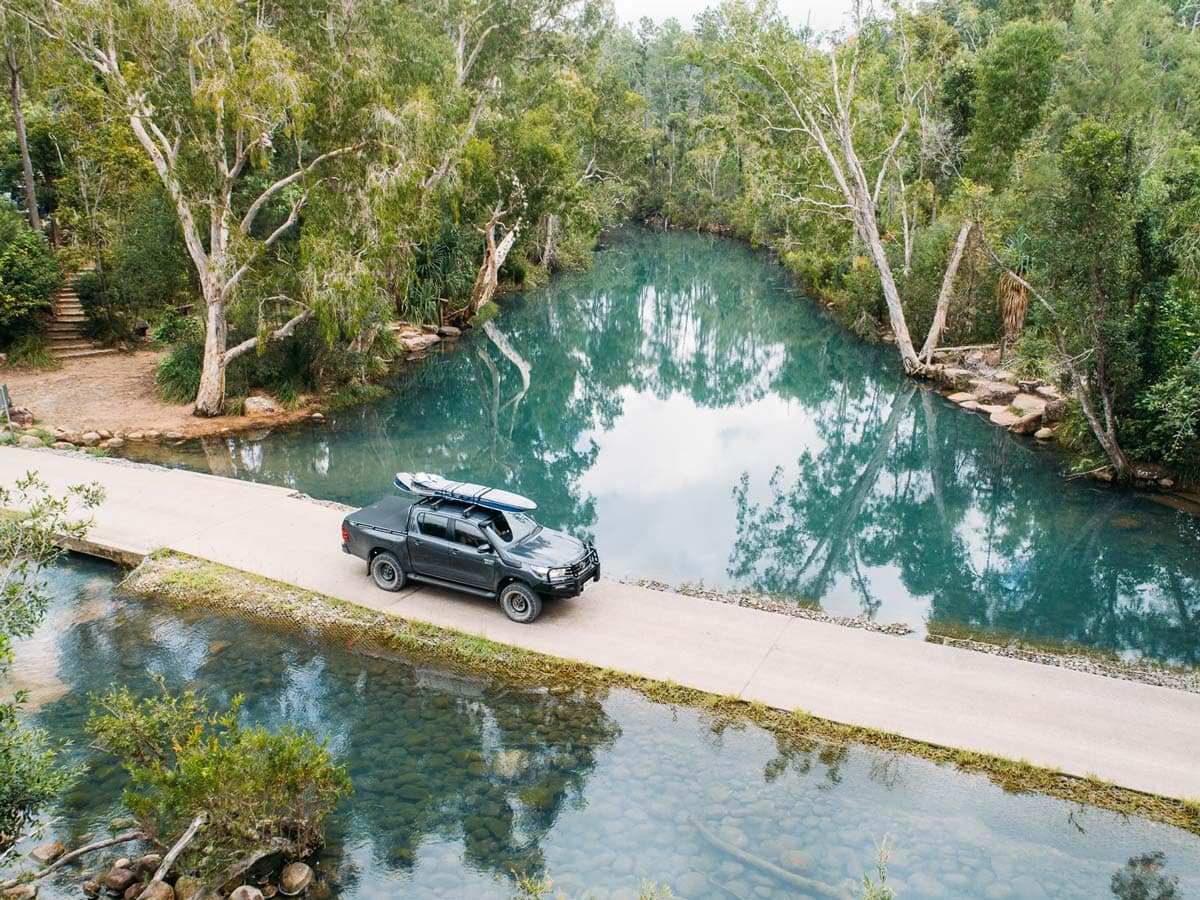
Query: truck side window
{"x": 466, "y": 533}
{"x": 434, "y": 526}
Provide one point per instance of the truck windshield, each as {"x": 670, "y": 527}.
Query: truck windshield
{"x": 512, "y": 528}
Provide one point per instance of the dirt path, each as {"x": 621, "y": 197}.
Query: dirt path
{"x": 118, "y": 393}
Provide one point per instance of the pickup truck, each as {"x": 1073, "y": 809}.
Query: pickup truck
{"x": 456, "y": 544}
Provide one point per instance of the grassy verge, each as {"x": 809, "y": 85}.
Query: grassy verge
{"x": 186, "y": 580}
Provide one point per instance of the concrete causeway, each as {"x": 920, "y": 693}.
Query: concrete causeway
{"x": 1134, "y": 734}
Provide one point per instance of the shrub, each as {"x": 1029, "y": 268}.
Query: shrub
{"x": 29, "y": 274}
{"x": 30, "y": 351}
{"x": 109, "y": 320}
{"x": 175, "y": 329}
{"x": 178, "y": 375}
{"x": 259, "y": 791}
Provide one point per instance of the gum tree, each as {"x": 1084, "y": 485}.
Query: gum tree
{"x": 237, "y": 110}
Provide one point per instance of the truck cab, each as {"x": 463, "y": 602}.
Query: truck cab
{"x": 458, "y": 544}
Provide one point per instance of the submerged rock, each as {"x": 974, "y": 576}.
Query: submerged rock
{"x": 246, "y": 892}
{"x": 119, "y": 878}
{"x": 295, "y": 879}
{"x": 510, "y": 763}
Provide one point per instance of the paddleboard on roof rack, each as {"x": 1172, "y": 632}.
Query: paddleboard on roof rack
{"x": 426, "y": 485}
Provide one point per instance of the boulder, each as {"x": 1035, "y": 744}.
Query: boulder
{"x": 1166, "y": 483}
{"x": 90, "y": 438}
{"x": 66, "y": 434}
{"x": 104, "y": 433}
{"x": 972, "y": 405}
{"x": 974, "y": 359}
{"x": 188, "y": 888}
{"x": 63, "y": 445}
{"x": 1028, "y": 403}
{"x": 956, "y": 378}
{"x": 159, "y": 890}
{"x": 1027, "y": 424}
{"x": 1044, "y": 433}
{"x": 246, "y": 892}
{"x": 20, "y": 416}
{"x": 988, "y": 391}
{"x": 91, "y": 888}
{"x": 295, "y": 879}
{"x": 133, "y": 891}
{"x": 151, "y": 435}
{"x": 449, "y": 331}
{"x": 47, "y": 853}
{"x": 1054, "y": 411}
{"x": 135, "y": 436}
{"x": 24, "y": 891}
{"x": 115, "y": 443}
{"x": 417, "y": 342}
{"x": 28, "y": 440}
{"x": 1046, "y": 392}
{"x": 119, "y": 878}
{"x": 317, "y": 417}
{"x": 961, "y": 397}
{"x": 1027, "y": 385}
{"x": 172, "y": 436}
{"x": 258, "y": 405}
{"x": 148, "y": 864}
{"x": 992, "y": 358}
{"x": 123, "y": 863}
{"x": 1004, "y": 418}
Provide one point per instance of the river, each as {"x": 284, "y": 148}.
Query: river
{"x": 682, "y": 405}
{"x": 460, "y": 781}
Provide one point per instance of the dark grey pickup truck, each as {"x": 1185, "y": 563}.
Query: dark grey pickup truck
{"x": 460, "y": 545}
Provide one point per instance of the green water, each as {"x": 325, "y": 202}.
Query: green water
{"x": 683, "y": 406}
{"x": 460, "y": 781}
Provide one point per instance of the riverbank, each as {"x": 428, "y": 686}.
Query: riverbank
{"x": 190, "y": 582}
{"x": 1123, "y": 732}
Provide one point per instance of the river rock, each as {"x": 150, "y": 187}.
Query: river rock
{"x": 246, "y": 892}
{"x": 114, "y": 443}
{"x": 188, "y": 888}
{"x": 119, "y": 878}
{"x": 151, "y": 435}
{"x": 510, "y": 763}
{"x": 1054, "y": 411}
{"x": 258, "y": 405}
{"x": 24, "y": 891}
{"x": 159, "y": 890}
{"x": 796, "y": 860}
{"x": 961, "y": 397}
{"x": 1166, "y": 483}
{"x": 104, "y": 433}
{"x": 295, "y": 879}
{"x": 91, "y": 888}
{"x": 988, "y": 391}
{"x": 1047, "y": 392}
{"x": 417, "y": 342}
{"x": 972, "y": 405}
{"x": 1027, "y": 424}
{"x": 449, "y": 331}
{"x": 135, "y": 436}
{"x": 20, "y": 416}
{"x": 954, "y": 377}
{"x": 148, "y": 864}
{"x": 317, "y": 417}
{"x": 1004, "y": 418}
{"x": 1028, "y": 403}
{"x": 63, "y": 445}
{"x": 46, "y": 853}
{"x": 172, "y": 436}
{"x": 1044, "y": 433}
{"x": 123, "y": 863}
{"x": 28, "y": 440}
{"x": 90, "y": 438}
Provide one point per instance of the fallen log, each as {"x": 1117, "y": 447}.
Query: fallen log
{"x": 812, "y": 886}
{"x": 75, "y": 854}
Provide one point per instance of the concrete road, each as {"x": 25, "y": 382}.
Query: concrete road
{"x": 1136, "y": 735}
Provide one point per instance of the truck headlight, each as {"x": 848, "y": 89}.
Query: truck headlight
{"x": 558, "y": 573}
{"x": 539, "y": 571}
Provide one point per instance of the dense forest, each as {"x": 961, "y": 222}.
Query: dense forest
{"x": 268, "y": 185}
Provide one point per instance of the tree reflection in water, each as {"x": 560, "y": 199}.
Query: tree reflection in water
{"x": 680, "y": 405}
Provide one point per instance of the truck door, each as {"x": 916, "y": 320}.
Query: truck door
{"x": 474, "y": 568}
{"x": 431, "y": 545}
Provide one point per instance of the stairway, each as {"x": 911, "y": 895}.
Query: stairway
{"x": 64, "y": 333}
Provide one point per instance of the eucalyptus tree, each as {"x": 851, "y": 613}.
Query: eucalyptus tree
{"x": 239, "y": 109}
{"x": 844, "y": 122}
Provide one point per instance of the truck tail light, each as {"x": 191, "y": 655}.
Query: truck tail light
{"x": 345, "y": 534}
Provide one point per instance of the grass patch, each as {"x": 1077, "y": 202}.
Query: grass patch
{"x": 354, "y": 394}
{"x": 189, "y": 581}
{"x": 29, "y": 351}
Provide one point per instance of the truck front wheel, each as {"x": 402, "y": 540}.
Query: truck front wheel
{"x": 520, "y": 603}
{"x": 386, "y": 571}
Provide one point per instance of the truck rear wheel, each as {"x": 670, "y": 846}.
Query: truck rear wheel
{"x": 520, "y": 603}
{"x": 386, "y": 571}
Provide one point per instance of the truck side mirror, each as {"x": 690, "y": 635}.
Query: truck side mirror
{"x": 484, "y": 548}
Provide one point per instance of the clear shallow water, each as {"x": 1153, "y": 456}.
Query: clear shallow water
{"x": 683, "y": 406}
{"x": 602, "y": 791}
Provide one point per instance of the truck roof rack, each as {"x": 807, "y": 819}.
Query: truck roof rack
{"x": 425, "y": 484}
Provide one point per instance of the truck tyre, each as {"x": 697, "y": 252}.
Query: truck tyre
{"x": 520, "y": 603}
{"x": 387, "y": 573}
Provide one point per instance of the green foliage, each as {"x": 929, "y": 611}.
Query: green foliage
{"x": 258, "y": 791}
{"x": 29, "y": 274}
{"x": 175, "y": 329}
{"x": 29, "y": 351}
{"x": 1171, "y": 410}
{"x": 873, "y": 889}
{"x": 31, "y": 527}
{"x": 178, "y": 375}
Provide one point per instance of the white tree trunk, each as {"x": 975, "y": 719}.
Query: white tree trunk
{"x": 210, "y": 398}
{"x": 943, "y": 303}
